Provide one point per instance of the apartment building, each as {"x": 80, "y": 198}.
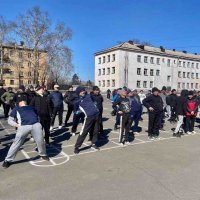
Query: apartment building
{"x": 143, "y": 67}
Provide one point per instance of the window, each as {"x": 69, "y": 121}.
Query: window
{"x": 183, "y": 85}
{"x": 108, "y": 58}
{"x": 179, "y": 74}
{"x": 29, "y": 64}
{"x": 184, "y": 75}
{"x": 188, "y": 85}
{"x": 188, "y": 75}
{"x": 11, "y": 73}
{"x": 152, "y": 60}
{"x": 169, "y": 78}
{"x": 20, "y": 54}
{"x": 179, "y": 85}
{"x": 157, "y": 72}
{"x": 138, "y": 84}
{"x": 168, "y": 62}
{"x": 12, "y": 82}
{"x": 113, "y": 57}
{"x": 138, "y": 71}
{"x": 151, "y": 84}
{"x": 192, "y": 85}
{"x": 197, "y": 65}
{"x": 183, "y": 64}
{"x": 103, "y": 71}
{"x": 188, "y": 64}
{"x": 11, "y": 52}
{"x": 99, "y": 83}
{"x": 29, "y": 81}
{"x": 158, "y": 61}
{"x": 113, "y": 70}
{"x": 108, "y": 83}
{"x": 174, "y": 61}
{"x": 113, "y": 83}
{"x": 145, "y": 59}
{"x": 196, "y": 85}
{"x": 139, "y": 58}
{"x": 99, "y": 60}
{"x": 192, "y": 65}
{"x": 21, "y": 73}
{"x": 21, "y": 65}
{"x": 104, "y": 59}
{"x": 103, "y": 85}
{"x": 145, "y": 72}
{"x": 29, "y": 55}
{"x": 144, "y": 84}
{"x": 99, "y": 74}
{"x": 29, "y": 73}
{"x": 151, "y": 72}
{"x": 192, "y": 75}
{"x": 21, "y": 82}
{"x": 179, "y": 63}
{"x": 108, "y": 71}
{"x": 163, "y": 60}
{"x": 197, "y": 76}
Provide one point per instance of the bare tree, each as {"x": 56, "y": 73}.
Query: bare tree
{"x": 35, "y": 29}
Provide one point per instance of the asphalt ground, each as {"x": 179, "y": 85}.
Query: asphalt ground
{"x": 167, "y": 169}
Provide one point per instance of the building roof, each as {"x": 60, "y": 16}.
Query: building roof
{"x": 161, "y": 51}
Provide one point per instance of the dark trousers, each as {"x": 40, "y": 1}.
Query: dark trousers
{"x": 135, "y": 117}
{"x": 56, "y": 110}
{"x": 161, "y": 120}
{"x": 45, "y": 122}
{"x": 189, "y": 126}
{"x": 125, "y": 125}
{"x": 3, "y": 104}
{"x": 76, "y": 120}
{"x": 69, "y": 112}
{"x": 117, "y": 122}
{"x": 108, "y": 95}
{"x": 89, "y": 123}
{"x": 154, "y": 122}
{"x": 6, "y": 110}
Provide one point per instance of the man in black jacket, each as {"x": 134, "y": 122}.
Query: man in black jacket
{"x": 21, "y": 95}
{"x": 2, "y": 91}
{"x": 154, "y": 104}
{"x": 43, "y": 106}
{"x": 173, "y": 99}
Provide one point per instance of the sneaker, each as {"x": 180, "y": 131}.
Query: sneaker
{"x": 115, "y": 127}
{"x": 157, "y": 138}
{"x": 194, "y": 132}
{"x": 76, "y": 151}
{"x": 121, "y": 144}
{"x": 127, "y": 143}
{"x": 151, "y": 138}
{"x": 45, "y": 158}
{"x": 6, "y": 164}
{"x": 94, "y": 147}
{"x": 51, "y": 128}
{"x": 60, "y": 127}
{"x": 174, "y": 134}
{"x": 136, "y": 133}
{"x": 189, "y": 133}
{"x": 32, "y": 139}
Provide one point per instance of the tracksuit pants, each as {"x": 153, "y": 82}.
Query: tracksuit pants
{"x": 89, "y": 123}
{"x": 76, "y": 120}
{"x": 58, "y": 110}
{"x": 189, "y": 126}
{"x": 45, "y": 122}
{"x": 179, "y": 123}
{"x": 154, "y": 122}
{"x": 125, "y": 125}
{"x": 135, "y": 117}
{"x": 21, "y": 135}
{"x": 69, "y": 112}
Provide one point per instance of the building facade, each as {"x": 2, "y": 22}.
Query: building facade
{"x": 20, "y": 65}
{"x": 143, "y": 67}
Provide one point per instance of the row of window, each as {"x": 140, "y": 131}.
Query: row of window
{"x": 139, "y": 72}
{"x": 154, "y": 60}
{"x": 103, "y": 71}
{"x": 12, "y": 82}
{"x": 188, "y": 85}
{"x": 187, "y": 75}
{"x": 107, "y": 83}
{"x": 145, "y": 84}
{"x": 22, "y": 73}
{"x": 109, "y": 59}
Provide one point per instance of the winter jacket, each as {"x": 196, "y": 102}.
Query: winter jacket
{"x": 7, "y": 98}
{"x": 180, "y": 105}
{"x": 87, "y": 106}
{"x": 172, "y": 100}
{"x": 136, "y": 105}
{"x": 19, "y": 96}
{"x": 123, "y": 104}
{"x": 69, "y": 97}
{"x": 191, "y": 105}
{"x": 43, "y": 105}
{"x": 155, "y": 102}
{"x": 57, "y": 98}
{"x": 98, "y": 100}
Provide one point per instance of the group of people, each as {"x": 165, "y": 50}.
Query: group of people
{"x": 35, "y": 110}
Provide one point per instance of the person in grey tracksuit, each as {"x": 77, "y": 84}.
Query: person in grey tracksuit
{"x": 27, "y": 121}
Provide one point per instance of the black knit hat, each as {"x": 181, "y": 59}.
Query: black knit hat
{"x": 155, "y": 89}
{"x": 95, "y": 88}
{"x": 191, "y": 93}
{"x": 21, "y": 87}
{"x": 79, "y": 89}
{"x": 164, "y": 88}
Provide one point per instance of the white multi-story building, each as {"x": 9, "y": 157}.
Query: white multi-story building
{"x": 143, "y": 67}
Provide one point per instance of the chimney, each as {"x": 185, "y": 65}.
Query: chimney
{"x": 130, "y": 41}
{"x": 22, "y": 43}
{"x": 162, "y": 49}
{"x": 184, "y": 51}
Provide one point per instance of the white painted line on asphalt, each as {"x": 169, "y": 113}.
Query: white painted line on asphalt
{"x": 140, "y": 140}
{"x": 117, "y": 143}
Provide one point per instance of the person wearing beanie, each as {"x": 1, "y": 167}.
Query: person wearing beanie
{"x": 91, "y": 121}
{"x": 69, "y": 97}
{"x": 31, "y": 92}
{"x": 57, "y": 98}
{"x": 191, "y": 109}
{"x": 7, "y": 99}
{"x": 21, "y": 95}
{"x": 154, "y": 104}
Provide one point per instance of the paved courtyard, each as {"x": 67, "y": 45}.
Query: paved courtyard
{"x": 167, "y": 169}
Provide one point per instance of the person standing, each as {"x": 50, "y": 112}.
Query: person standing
{"x": 27, "y": 122}
{"x": 162, "y": 114}
{"x": 173, "y": 99}
{"x": 142, "y": 97}
{"x": 21, "y": 95}
{"x": 57, "y": 98}
{"x": 108, "y": 93}
{"x": 2, "y": 91}
{"x": 154, "y": 104}
{"x": 7, "y": 99}
{"x": 43, "y": 105}
{"x": 91, "y": 121}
